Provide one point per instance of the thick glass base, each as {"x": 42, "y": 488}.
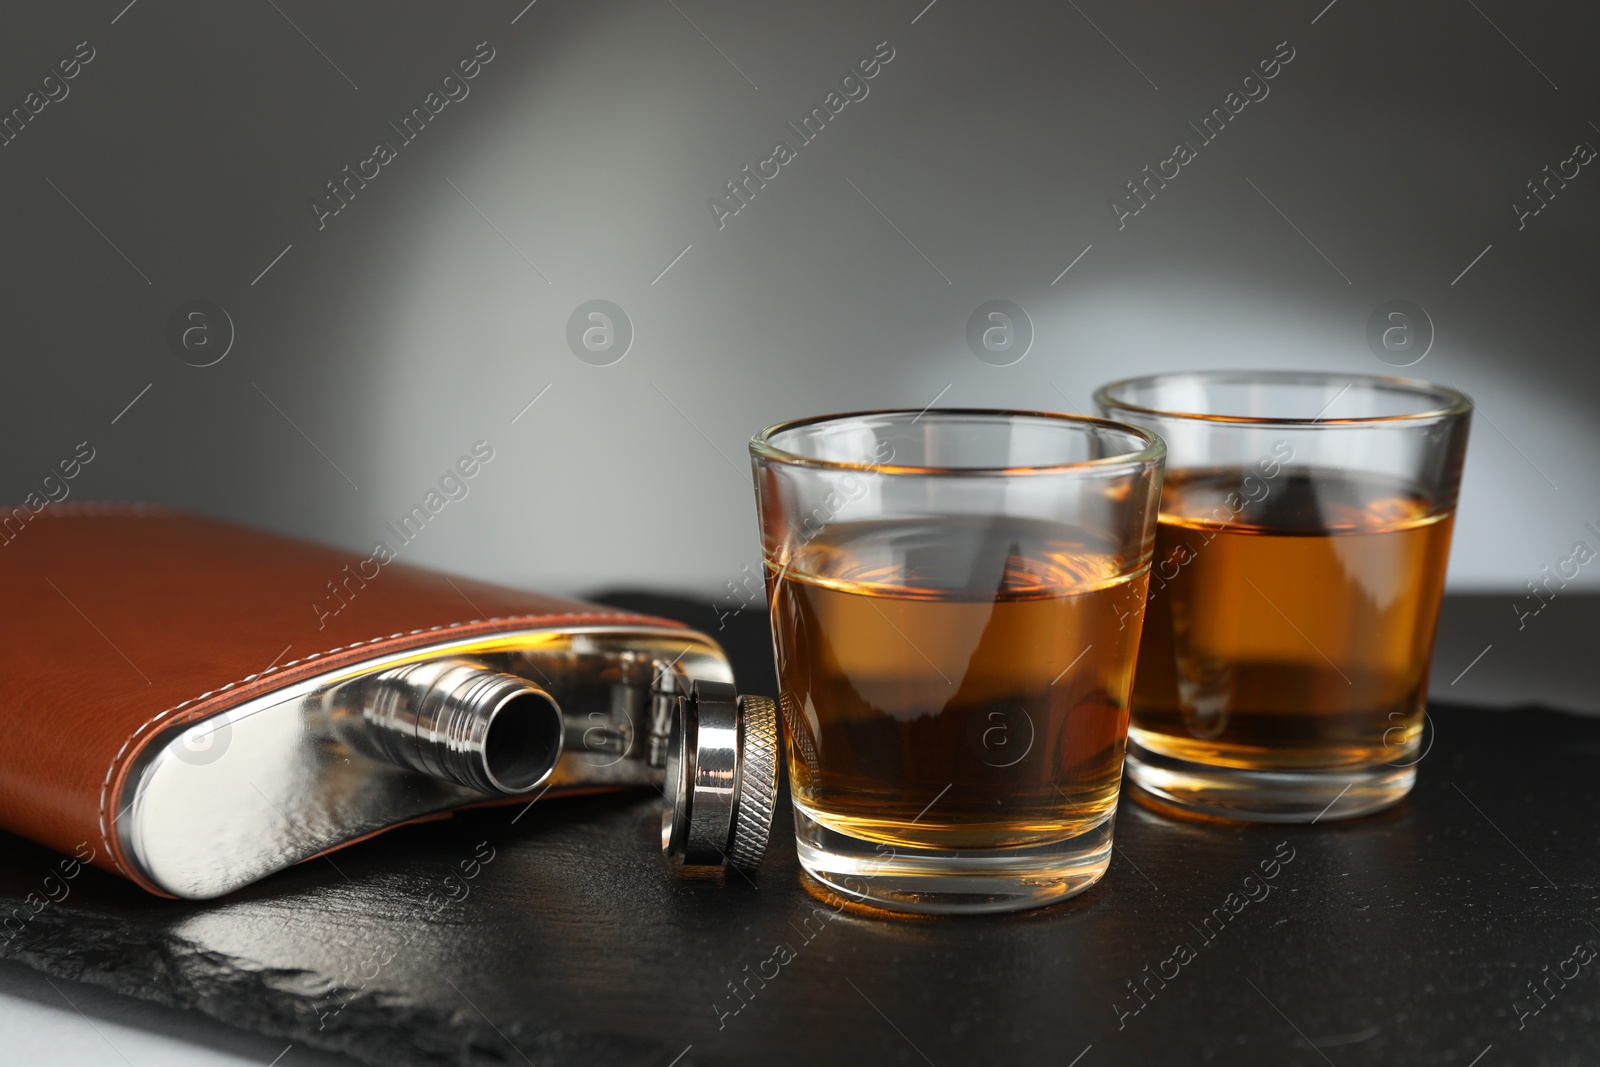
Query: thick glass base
{"x": 947, "y": 882}
{"x": 1267, "y": 796}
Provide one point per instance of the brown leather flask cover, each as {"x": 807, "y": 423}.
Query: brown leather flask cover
{"x": 125, "y": 624}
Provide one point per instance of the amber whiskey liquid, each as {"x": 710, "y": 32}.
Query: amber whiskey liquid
{"x": 1289, "y": 624}
{"x": 955, "y": 686}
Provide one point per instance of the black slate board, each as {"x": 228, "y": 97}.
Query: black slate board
{"x": 1403, "y": 938}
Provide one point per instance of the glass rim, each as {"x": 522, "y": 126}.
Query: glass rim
{"x": 1452, "y": 403}
{"x": 1151, "y": 455}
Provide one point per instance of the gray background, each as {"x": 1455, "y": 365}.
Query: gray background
{"x": 418, "y": 322}
{"x": 428, "y": 313}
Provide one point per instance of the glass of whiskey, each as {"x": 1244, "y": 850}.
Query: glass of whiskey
{"x": 1300, "y": 558}
{"x": 955, "y": 599}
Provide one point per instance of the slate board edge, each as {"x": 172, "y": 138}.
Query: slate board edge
{"x": 374, "y": 1028}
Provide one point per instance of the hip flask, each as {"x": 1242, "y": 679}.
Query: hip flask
{"x": 183, "y": 703}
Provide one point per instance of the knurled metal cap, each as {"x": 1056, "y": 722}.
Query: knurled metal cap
{"x": 722, "y": 778}
{"x": 758, "y": 782}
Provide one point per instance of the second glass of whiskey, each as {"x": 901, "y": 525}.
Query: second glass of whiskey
{"x": 1300, "y": 558}
{"x": 955, "y": 600}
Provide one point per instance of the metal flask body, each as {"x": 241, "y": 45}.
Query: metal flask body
{"x": 217, "y": 804}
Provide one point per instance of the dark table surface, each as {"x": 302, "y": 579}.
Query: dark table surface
{"x": 1408, "y": 937}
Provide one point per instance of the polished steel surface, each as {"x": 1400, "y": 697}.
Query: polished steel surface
{"x": 722, "y": 778}
{"x": 214, "y": 805}
{"x": 453, "y": 719}
{"x": 714, "y": 783}
{"x": 679, "y": 773}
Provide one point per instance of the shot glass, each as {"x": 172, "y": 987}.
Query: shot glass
{"x": 955, "y": 599}
{"x": 1300, "y": 557}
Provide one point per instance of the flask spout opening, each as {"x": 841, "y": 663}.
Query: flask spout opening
{"x": 523, "y": 742}
{"x": 466, "y": 724}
